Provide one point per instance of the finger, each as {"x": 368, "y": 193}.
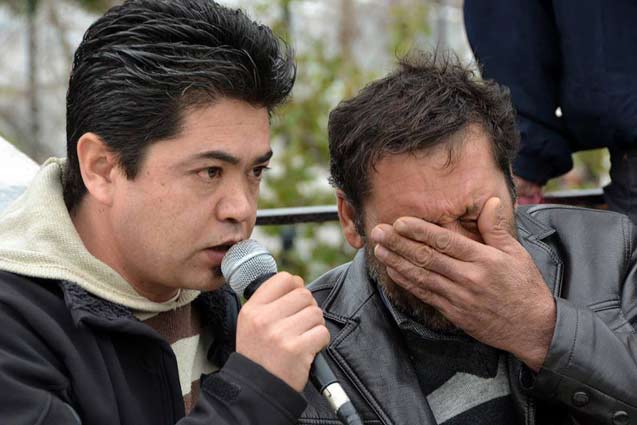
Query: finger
{"x": 302, "y": 321}
{"x": 442, "y": 240}
{"x": 496, "y": 227}
{"x": 417, "y": 279}
{"x": 276, "y": 287}
{"x": 427, "y": 296}
{"x": 418, "y": 253}
{"x": 291, "y": 303}
{"x": 315, "y": 339}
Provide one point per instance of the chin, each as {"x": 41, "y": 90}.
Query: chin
{"x": 403, "y": 300}
{"x": 417, "y": 310}
{"x": 215, "y": 281}
{"x": 204, "y": 280}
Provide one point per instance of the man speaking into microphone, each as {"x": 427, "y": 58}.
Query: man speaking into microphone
{"x": 113, "y": 307}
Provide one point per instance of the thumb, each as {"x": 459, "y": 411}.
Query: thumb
{"x": 495, "y": 227}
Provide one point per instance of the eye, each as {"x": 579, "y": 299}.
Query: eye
{"x": 471, "y": 225}
{"x": 258, "y": 171}
{"x": 210, "y": 173}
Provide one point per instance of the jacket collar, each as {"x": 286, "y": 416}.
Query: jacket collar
{"x": 220, "y": 309}
{"x": 537, "y": 238}
{"x": 368, "y": 350}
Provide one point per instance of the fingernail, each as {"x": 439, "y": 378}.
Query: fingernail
{"x": 499, "y": 208}
{"x": 378, "y": 234}
{"x": 400, "y": 225}
{"x": 380, "y": 252}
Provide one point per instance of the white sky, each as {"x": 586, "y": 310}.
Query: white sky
{"x": 16, "y": 169}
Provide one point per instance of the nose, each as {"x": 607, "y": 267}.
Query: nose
{"x": 237, "y": 203}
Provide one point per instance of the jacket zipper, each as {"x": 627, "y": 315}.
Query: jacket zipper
{"x": 530, "y": 411}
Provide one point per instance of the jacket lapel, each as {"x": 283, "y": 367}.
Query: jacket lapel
{"x": 535, "y": 237}
{"x": 370, "y": 354}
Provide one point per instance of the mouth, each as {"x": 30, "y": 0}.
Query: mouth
{"x": 221, "y": 247}
{"x": 217, "y": 252}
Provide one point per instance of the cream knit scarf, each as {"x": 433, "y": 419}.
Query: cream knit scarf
{"x": 38, "y": 239}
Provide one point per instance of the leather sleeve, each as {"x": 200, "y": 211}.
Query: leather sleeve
{"x": 242, "y": 392}
{"x": 591, "y": 366}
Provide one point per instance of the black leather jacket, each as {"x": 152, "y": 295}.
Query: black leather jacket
{"x": 588, "y": 260}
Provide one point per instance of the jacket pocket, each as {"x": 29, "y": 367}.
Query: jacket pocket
{"x": 611, "y": 313}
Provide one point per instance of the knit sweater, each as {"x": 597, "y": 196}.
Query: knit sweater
{"x": 464, "y": 381}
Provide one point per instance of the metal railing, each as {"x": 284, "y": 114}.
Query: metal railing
{"x": 593, "y": 198}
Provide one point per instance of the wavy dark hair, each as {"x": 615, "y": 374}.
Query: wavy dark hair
{"x": 145, "y": 62}
{"x": 428, "y": 98}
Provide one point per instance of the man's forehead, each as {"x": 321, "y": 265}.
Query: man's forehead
{"x": 228, "y": 126}
{"x": 436, "y": 185}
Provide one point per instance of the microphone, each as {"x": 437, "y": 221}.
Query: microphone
{"x": 246, "y": 265}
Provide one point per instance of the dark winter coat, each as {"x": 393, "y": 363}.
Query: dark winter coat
{"x": 67, "y": 357}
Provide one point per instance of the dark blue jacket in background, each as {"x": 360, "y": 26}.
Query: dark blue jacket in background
{"x": 580, "y": 55}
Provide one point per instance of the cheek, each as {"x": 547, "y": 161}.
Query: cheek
{"x": 149, "y": 222}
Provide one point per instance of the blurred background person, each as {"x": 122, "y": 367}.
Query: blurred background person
{"x": 573, "y": 82}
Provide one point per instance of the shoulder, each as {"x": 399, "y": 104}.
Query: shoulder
{"x": 592, "y": 242}
{"x": 323, "y": 286}
{"x": 31, "y": 299}
{"x": 567, "y": 220}
{"x": 25, "y": 286}
{"x": 554, "y": 212}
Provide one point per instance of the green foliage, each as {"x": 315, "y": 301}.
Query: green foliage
{"x": 590, "y": 168}
{"x": 410, "y": 26}
{"x": 325, "y": 76}
{"x": 299, "y": 134}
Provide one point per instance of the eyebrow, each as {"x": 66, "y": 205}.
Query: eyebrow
{"x": 226, "y": 157}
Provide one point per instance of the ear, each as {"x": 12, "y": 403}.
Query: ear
{"x": 347, "y": 215}
{"x": 98, "y": 166}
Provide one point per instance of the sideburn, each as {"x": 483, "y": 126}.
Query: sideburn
{"x": 403, "y": 300}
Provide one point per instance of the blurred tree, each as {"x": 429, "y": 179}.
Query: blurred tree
{"x": 590, "y": 170}
{"x": 299, "y": 131}
{"x": 328, "y": 71}
{"x": 30, "y": 143}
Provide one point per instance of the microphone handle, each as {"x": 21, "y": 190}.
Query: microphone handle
{"x": 326, "y": 383}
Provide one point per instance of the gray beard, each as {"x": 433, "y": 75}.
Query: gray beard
{"x": 402, "y": 300}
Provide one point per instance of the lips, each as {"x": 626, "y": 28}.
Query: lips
{"x": 216, "y": 253}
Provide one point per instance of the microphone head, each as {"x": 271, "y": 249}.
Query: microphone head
{"x": 244, "y": 262}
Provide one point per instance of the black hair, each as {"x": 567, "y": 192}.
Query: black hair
{"x": 144, "y": 63}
